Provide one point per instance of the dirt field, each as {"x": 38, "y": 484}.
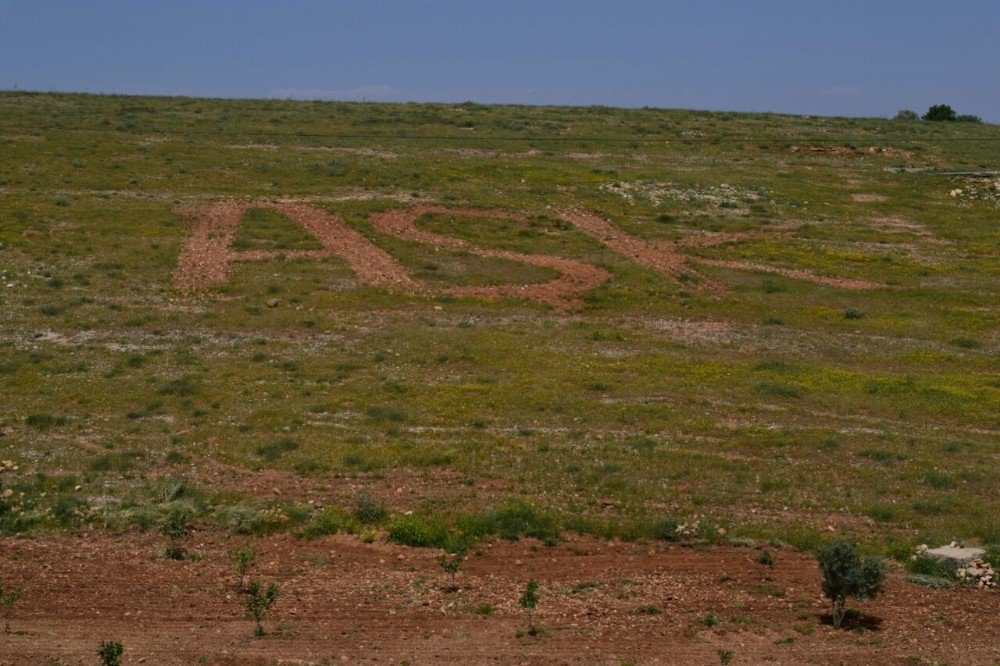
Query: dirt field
{"x": 360, "y": 335}
{"x": 345, "y": 601}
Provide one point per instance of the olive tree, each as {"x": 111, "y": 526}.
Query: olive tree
{"x": 845, "y": 575}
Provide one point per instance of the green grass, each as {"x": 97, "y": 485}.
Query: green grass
{"x": 730, "y": 405}
{"x": 264, "y": 229}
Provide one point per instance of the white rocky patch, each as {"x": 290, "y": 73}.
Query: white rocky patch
{"x": 655, "y": 192}
{"x": 978, "y": 189}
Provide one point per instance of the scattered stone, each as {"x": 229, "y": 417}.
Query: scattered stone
{"x": 979, "y": 573}
{"x": 273, "y": 302}
{"x": 978, "y": 189}
{"x": 688, "y": 530}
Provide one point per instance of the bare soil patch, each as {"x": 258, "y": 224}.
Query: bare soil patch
{"x": 887, "y": 151}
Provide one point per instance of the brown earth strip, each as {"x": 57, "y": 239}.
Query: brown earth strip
{"x": 206, "y": 257}
{"x": 887, "y": 151}
{"x": 713, "y": 238}
{"x": 840, "y": 283}
{"x": 664, "y": 257}
{"x": 661, "y": 256}
{"x": 565, "y": 291}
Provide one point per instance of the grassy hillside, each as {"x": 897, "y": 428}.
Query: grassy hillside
{"x": 292, "y": 396}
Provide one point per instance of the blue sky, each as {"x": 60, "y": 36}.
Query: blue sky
{"x": 831, "y": 57}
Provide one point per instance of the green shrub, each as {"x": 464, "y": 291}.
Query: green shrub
{"x": 141, "y": 518}
{"x": 451, "y": 564}
{"x": 323, "y": 524}
{"x": 361, "y": 462}
{"x": 175, "y": 518}
{"x": 174, "y": 457}
{"x": 883, "y": 513}
{"x": 119, "y": 462}
{"x": 244, "y": 557}
{"x": 926, "y": 566}
{"x": 244, "y": 519}
{"x": 68, "y": 510}
{"x": 276, "y": 449}
{"x": 935, "y": 478}
{"x": 940, "y": 113}
{"x": 845, "y": 575}
{"x": 181, "y": 387}
{"x": 258, "y": 602}
{"x": 518, "y": 518}
{"x": 529, "y": 601}
{"x": 309, "y": 465}
{"x": 966, "y": 343}
{"x": 666, "y": 529}
{"x": 110, "y": 653}
{"x": 8, "y": 597}
{"x": 380, "y": 413}
{"x": 419, "y": 530}
{"x": 368, "y": 509}
{"x": 881, "y": 455}
{"x": 44, "y": 421}
{"x": 778, "y": 389}
{"x": 931, "y": 581}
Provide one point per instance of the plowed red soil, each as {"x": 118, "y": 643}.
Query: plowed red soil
{"x": 345, "y": 601}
